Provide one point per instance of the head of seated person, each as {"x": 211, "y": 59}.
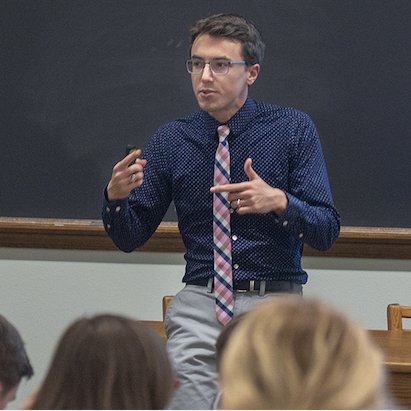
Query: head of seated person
{"x": 14, "y": 362}
{"x": 295, "y": 353}
{"x": 107, "y": 362}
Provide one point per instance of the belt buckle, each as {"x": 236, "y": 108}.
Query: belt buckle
{"x": 250, "y": 288}
{"x": 242, "y": 290}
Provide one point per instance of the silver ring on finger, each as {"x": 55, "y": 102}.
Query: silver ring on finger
{"x": 238, "y": 203}
{"x": 133, "y": 178}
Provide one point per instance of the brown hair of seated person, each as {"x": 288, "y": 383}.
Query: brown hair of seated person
{"x": 14, "y": 361}
{"x": 295, "y": 353}
{"x": 107, "y": 362}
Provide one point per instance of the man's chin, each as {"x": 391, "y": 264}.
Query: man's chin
{"x": 207, "y": 106}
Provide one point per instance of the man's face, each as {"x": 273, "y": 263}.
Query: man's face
{"x": 221, "y": 96}
{"x": 7, "y": 396}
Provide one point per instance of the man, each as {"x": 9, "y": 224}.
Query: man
{"x": 14, "y": 362}
{"x": 248, "y": 195}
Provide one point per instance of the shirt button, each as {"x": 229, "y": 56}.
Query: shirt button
{"x": 236, "y": 266}
{"x": 234, "y": 237}
{"x": 118, "y": 208}
{"x": 108, "y": 226}
{"x": 231, "y": 210}
{"x": 300, "y": 235}
{"x": 285, "y": 223}
{"x": 108, "y": 209}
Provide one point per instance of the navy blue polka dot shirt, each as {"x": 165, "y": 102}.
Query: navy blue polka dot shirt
{"x": 286, "y": 152}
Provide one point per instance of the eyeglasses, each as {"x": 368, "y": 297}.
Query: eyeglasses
{"x": 217, "y": 66}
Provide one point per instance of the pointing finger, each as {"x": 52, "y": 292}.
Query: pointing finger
{"x": 229, "y": 188}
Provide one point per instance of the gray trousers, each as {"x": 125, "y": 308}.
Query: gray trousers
{"x": 192, "y": 330}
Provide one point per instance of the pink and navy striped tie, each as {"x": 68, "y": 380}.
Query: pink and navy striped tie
{"x": 223, "y": 273}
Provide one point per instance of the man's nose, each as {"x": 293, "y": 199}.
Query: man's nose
{"x": 207, "y": 73}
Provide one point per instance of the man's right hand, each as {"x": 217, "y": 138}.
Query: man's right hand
{"x": 126, "y": 177}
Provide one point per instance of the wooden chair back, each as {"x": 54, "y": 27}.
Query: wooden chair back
{"x": 166, "y": 301}
{"x": 157, "y": 326}
{"x": 395, "y": 314}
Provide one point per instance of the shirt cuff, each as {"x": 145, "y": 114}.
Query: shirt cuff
{"x": 113, "y": 207}
{"x": 289, "y": 219}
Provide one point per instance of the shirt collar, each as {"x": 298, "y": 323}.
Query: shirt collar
{"x": 237, "y": 123}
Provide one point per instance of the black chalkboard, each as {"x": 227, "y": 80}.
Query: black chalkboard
{"x": 82, "y": 78}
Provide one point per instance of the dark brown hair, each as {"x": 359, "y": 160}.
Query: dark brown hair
{"x": 14, "y": 362}
{"x": 107, "y": 362}
{"x": 234, "y": 27}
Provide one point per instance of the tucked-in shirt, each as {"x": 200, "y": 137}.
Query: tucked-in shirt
{"x": 286, "y": 152}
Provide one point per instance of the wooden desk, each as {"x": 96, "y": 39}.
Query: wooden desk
{"x": 396, "y": 346}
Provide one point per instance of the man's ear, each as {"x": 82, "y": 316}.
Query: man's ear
{"x": 253, "y": 72}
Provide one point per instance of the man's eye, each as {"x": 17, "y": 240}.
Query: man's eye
{"x": 221, "y": 64}
{"x": 197, "y": 63}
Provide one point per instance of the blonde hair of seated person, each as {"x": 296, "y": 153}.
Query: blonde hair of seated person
{"x": 107, "y": 362}
{"x": 295, "y": 353}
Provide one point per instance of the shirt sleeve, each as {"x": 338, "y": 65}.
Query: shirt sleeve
{"x": 132, "y": 221}
{"x": 310, "y": 215}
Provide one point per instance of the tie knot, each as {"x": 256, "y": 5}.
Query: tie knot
{"x": 223, "y": 132}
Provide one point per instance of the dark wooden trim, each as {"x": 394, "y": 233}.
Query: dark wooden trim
{"x": 355, "y": 242}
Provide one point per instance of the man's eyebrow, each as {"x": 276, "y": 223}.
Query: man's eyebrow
{"x": 194, "y": 56}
